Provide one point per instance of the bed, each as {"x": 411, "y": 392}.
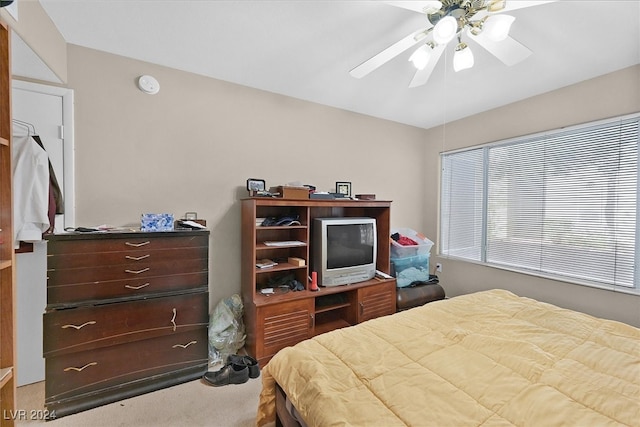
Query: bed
{"x": 485, "y": 359}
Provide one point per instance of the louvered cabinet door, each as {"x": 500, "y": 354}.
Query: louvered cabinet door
{"x": 282, "y": 325}
{"x": 376, "y": 300}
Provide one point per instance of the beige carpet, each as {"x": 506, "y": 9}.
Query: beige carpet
{"x": 190, "y": 404}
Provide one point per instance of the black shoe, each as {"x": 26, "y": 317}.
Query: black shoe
{"x": 229, "y": 374}
{"x": 248, "y": 361}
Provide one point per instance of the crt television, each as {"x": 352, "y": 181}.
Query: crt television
{"x": 344, "y": 250}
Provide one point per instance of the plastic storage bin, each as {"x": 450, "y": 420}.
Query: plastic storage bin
{"x": 411, "y": 269}
{"x": 399, "y": 251}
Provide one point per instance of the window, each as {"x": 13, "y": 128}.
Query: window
{"x": 562, "y": 204}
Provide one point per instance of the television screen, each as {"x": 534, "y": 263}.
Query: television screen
{"x": 350, "y": 245}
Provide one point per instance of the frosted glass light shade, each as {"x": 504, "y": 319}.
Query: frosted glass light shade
{"x": 445, "y": 30}
{"x": 420, "y": 57}
{"x": 462, "y": 58}
{"x": 497, "y": 27}
{"x": 431, "y": 6}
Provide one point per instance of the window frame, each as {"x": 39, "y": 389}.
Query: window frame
{"x": 635, "y": 289}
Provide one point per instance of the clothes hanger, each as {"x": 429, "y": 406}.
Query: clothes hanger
{"x": 31, "y": 129}
{"x": 28, "y": 129}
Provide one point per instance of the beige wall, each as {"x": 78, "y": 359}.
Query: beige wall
{"x": 40, "y": 33}
{"x": 607, "y": 96}
{"x": 192, "y": 146}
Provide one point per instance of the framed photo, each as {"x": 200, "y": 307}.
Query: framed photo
{"x": 254, "y": 185}
{"x": 343, "y": 188}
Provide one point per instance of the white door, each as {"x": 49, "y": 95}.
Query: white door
{"x": 48, "y": 109}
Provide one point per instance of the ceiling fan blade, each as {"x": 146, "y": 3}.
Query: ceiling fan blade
{"x": 509, "y": 50}
{"x": 421, "y": 76}
{"x": 520, "y": 4}
{"x": 417, "y": 6}
{"x": 389, "y": 53}
{"x": 509, "y": 5}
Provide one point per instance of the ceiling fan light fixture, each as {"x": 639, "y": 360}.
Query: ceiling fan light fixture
{"x": 497, "y": 27}
{"x": 420, "y": 58}
{"x": 462, "y": 58}
{"x": 496, "y": 5}
{"x": 445, "y": 30}
{"x": 431, "y": 6}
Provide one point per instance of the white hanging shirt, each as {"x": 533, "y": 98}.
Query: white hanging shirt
{"x": 30, "y": 190}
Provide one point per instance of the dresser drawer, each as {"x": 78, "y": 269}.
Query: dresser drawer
{"x": 93, "y": 259}
{"x": 73, "y": 294}
{"x": 86, "y": 328}
{"x": 84, "y": 244}
{"x": 137, "y": 270}
{"x": 75, "y": 374}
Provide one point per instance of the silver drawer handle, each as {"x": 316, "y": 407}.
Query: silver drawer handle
{"x": 185, "y": 345}
{"x": 137, "y": 287}
{"x": 91, "y": 322}
{"x": 137, "y": 271}
{"x": 137, "y": 245}
{"x": 137, "y": 258}
{"x": 173, "y": 319}
{"x": 71, "y": 368}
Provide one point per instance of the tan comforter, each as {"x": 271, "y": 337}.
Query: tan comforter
{"x": 490, "y": 358}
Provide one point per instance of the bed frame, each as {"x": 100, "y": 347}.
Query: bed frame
{"x": 283, "y": 417}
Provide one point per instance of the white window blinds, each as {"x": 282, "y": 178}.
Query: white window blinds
{"x": 562, "y": 203}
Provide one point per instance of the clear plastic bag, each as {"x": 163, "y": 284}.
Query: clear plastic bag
{"x": 226, "y": 329}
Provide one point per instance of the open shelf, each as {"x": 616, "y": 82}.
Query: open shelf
{"x": 6, "y": 374}
{"x": 321, "y": 328}
{"x": 332, "y": 307}
{"x": 7, "y": 256}
{"x": 281, "y": 227}
{"x": 282, "y": 266}
{"x": 263, "y": 247}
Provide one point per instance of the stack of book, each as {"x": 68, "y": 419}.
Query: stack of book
{"x": 265, "y": 263}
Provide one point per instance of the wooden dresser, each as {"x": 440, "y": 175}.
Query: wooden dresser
{"x": 127, "y": 313}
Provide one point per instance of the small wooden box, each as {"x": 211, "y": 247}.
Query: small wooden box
{"x": 296, "y": 261}
{"x": 296, "y": 193}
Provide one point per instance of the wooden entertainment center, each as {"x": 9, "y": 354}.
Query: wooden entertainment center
{"x": 286, "y": 317}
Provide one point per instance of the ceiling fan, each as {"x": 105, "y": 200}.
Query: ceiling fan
{"x": 479, "y": 20}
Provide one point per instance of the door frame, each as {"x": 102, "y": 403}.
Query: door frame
{"x": 68, "y": 148}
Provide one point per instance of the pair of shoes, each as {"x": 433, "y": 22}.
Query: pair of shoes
{"x": 248, "y": 361}
{"x": 229, "y": 374}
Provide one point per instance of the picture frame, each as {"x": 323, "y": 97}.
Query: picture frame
{"x": 255, "y": 185}
{"x": 344, "y": 188}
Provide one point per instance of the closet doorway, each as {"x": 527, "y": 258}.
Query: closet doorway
{"x": 49, "y": 109}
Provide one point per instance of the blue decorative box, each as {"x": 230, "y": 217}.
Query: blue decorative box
{"x": 156, "y": 222}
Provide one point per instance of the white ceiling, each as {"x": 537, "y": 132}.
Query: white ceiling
{"x": 305, "y": 49}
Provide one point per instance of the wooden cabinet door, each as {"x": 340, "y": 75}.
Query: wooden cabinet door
{"x": 282, "y": 325}
{"x": 376, "y": 300}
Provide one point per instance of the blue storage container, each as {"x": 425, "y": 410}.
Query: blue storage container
{"x": 410, "y": 269}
